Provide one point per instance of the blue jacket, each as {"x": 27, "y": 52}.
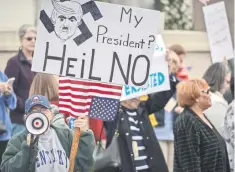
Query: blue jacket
{"x": 5, "y": 103}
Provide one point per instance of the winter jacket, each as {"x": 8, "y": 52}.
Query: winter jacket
{"x": 198, "y": 148}
{"x": 58, "y": 119}
{"x": 18, "y": 154}
{"x": 19, "y": 68}
{"x": 155, "y": 159}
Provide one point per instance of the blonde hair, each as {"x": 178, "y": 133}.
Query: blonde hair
{"x": 189, "y": 91}
{"x": 45, "y": 85}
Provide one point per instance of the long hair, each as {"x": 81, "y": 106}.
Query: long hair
{"x": 45, "y": 85}
{"x": 215, "y": 76}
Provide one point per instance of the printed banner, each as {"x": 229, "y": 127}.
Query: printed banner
{"x": 96, "y": 41}
{"x": 158, "y": 77}
{"x": 218, "y": 32}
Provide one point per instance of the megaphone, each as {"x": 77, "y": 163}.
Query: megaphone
{"x": 36, "y": 123}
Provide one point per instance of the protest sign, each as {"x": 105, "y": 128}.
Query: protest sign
{"x": 158, "y": 81}
{"x": 160, "y": 48}
{"x": 204, "y": 1}
{"x": 158, "y": 77}
{"x": 96, "y": 41}
{"x": 218, "y": 32}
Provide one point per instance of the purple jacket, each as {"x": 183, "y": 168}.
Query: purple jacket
{"x": 20, "y": 68}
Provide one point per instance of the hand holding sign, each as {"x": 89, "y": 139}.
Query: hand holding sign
{"x": 82, "y": 123}
{"x": 6, "y": 87}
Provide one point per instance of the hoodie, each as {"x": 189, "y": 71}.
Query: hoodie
{"x": 58, "y": 119}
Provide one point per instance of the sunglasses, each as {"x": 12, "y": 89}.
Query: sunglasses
{"x": 206, "y": 91}
{"x": 30, "y": 38}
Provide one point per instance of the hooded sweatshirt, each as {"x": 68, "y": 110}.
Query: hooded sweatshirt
{"x": 58, "y": 119}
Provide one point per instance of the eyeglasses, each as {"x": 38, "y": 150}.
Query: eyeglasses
{"x": 41, "y": 110}
{"x": 206, "y": 91}
{"x": 30, "y": 38}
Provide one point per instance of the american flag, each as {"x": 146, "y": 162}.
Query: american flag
{"x": 97, "y": 100}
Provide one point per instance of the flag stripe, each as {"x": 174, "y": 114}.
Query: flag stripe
{"x": 88, "y": 83}
{"x": 83, "y": 97}
{"x": 89, "y": 90}
{"x": 91, "y": 87}
{"x": 76, "y": 96}
{"x": 69, "y": 112}
{"x": 75, "y": 108}
{"x": 70, "y": 95}
{"x": 76, "y": 103}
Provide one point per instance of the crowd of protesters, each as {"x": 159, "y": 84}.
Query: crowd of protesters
{"x": 195, "y": 135}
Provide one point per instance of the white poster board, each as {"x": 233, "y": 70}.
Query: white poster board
{"x": 158, "y": 78}
{"x": 218, "y": 32}
{"x": 96, "y": 41}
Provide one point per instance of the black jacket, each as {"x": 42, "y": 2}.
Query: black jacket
{"x": 156, "y": 159}
{"x": 198, "y": 148}
{"x": 20, "y": 68}
{"x": 157, "y": 101}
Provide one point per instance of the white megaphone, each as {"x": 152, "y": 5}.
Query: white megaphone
{"x": 36, "y": 123}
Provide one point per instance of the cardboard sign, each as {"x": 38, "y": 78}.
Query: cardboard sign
{"x": 96, "y": 41}
{"x": 158, "y": 77}
{"x": 204, "y": 1}
{"x": 160, "y": 48}
{"x": 218, "y": 32}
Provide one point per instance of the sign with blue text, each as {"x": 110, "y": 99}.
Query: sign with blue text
{"x": 96, "y": 41}
{"x": 158, "y": 77}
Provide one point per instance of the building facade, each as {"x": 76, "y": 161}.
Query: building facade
{"x": 18, "y": 12}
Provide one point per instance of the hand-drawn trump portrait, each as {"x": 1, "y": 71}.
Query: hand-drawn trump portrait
{"x": 67, "y": 18}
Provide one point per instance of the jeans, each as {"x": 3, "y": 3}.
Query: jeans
{"x": 17, "y": 128}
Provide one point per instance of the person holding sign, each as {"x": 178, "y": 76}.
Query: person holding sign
{"x": 138, "y": 146}
{"x": 165, "y": 117}
{"x": 198, "y": 145}
{"x": 47, "y": 151}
